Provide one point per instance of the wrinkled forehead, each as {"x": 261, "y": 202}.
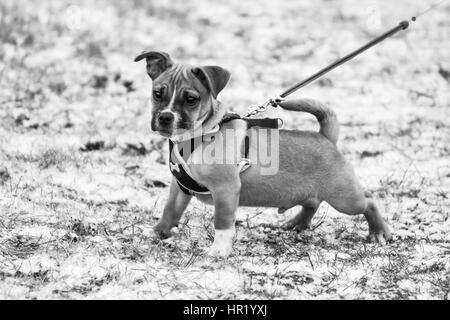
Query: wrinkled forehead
{"x": 180, "y": 77}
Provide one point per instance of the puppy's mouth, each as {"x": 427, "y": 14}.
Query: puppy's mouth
{"x": 165, "y": 131}
{"x": 170, "y": 131}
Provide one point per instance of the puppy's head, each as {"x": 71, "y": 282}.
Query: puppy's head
{"x": 183, "y": 96}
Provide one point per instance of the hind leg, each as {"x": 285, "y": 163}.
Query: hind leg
{"x": 378, "y": 228}
{"x": 358, "y": 204}
{"x": 302, "y": 220}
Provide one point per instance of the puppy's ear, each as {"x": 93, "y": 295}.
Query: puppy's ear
{"x": 212, "y": 77}
{"x": 157, "y": 62}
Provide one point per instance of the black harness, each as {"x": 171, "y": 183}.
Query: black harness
{"x": 185, "y": 181}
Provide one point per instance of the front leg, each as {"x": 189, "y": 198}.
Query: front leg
{"x": 173, "y": 210}
{"x": 226, "y": 200}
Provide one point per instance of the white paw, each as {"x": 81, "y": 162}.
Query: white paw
{"x": 223, "y": 243}
{"x": 220, "y": 251}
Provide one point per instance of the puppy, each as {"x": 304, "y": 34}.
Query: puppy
{"x": 310, "y": 167}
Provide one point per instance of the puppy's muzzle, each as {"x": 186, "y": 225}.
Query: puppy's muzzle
{"x": 166, "y": 118}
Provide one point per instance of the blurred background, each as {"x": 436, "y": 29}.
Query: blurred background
{"x": 75, "y": 58}
{"x": 77, "y": 158}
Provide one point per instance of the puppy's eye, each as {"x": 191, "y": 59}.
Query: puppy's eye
{"x": 157, "y": 95}
{"x": 191, "y": 100}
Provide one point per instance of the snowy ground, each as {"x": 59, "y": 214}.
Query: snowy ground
{"x": 82, "y": 179}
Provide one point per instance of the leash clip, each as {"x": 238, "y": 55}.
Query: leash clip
{"x": 255, "y": 109}
{"x": 276, "y": 101}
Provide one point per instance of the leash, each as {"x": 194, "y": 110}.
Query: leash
{"x": 403, "y": 25}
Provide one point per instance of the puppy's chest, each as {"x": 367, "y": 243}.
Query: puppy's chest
{"x": 215, "y": 149}
{"x": 179, "y": 154}
{"x": 211, "y": 150}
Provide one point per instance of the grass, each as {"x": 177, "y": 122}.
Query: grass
{"x": 82, "y": 180}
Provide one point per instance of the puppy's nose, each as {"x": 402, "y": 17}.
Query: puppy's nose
{"x": 165, "y": 118}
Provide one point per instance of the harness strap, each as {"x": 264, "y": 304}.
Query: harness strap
{"x": 180, "y": 169}
{"x": 262, "y": 122}
{"x": 184, "y": 178}
{"x": 252, "y": 122}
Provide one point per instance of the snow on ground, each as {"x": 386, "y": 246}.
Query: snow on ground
{"x": 82, "y": 179}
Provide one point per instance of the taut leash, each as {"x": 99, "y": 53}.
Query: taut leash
{"x": 403, "y": 25}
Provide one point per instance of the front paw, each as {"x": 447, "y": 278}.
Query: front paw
{"x": 223, "y": 243}
{"x": 220, "y": 250}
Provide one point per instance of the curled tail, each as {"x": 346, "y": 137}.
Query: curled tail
{"x": 329, "y": 126}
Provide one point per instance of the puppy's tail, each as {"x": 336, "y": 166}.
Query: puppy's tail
{"x": 329, "y": 126}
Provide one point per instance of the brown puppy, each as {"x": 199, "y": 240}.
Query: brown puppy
{"x": 309, "y": 168}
